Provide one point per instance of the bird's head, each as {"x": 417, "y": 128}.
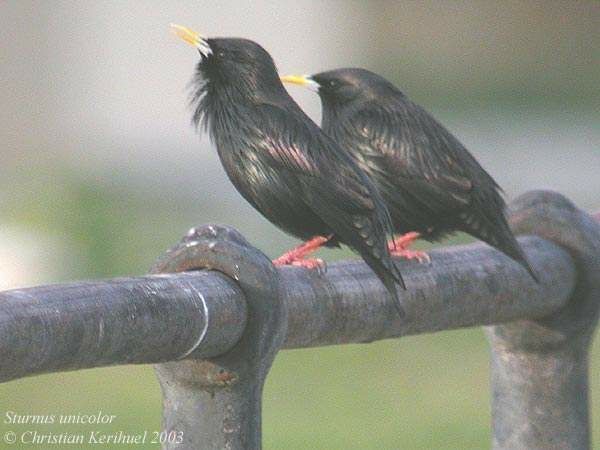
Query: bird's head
{"x": 341, "y": 87}
{"x": 231, "y": 62}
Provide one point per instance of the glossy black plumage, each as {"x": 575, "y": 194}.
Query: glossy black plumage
{"x": 429, "y": 180}
{"x": 281, "y": 162}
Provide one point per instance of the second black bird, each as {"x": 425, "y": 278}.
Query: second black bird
{"x": 432, "y": 185}
{"x": 281, "y": 162}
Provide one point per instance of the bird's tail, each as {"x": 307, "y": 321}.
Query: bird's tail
{"x": 390, "y": 276}
{"x": 369, "y": 239}
{"x": 511, "y": 247}
{"x": 498, "y": 234}
{"x": 364, "y": 229}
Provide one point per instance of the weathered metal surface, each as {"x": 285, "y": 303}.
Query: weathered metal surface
{"x": 120, "y": 321}
{"x": 159, "y": 318}
{"x": 215, "y": 403}
{"x": 540, "y": 367}
{"x": 463, "y": 286}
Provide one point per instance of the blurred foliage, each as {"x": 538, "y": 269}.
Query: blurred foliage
{"x": 114, "y": 229}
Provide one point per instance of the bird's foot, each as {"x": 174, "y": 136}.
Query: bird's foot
{"x": 403, "y": 242}
{"x": 420, "y": 256}
{"x": 297, "y": 256}
{"x": 399, "y": 247}
{"x": 314, "y": 263}
{"x": 311, "y": 264}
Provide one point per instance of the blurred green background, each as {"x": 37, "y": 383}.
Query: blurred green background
{"x": 101, "y": 172}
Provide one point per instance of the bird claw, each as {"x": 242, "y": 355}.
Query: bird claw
{"x": 311, "y": 264}
{"x": 297, "y": 256}
{"x": 420, "y": 256}
{"x": 284, "y": 260}
{"x": 403, "y": 242}
{"x": 399, "y": 247}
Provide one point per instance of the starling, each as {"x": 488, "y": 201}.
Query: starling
{"x": 430, "y": 182}
{"x": 281, "y": 162}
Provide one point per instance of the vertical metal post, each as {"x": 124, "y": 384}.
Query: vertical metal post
{"x": 216, "y": 403}
{"x": 539, "y": 368}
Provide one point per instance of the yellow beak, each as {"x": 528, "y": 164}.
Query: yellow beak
{"x": 193, "y": 38}
{"x": 302, "y": 80}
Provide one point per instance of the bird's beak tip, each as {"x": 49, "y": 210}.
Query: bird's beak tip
{"x": 191, "y": 37}
{"x": 184, "y": 33}
{"x": 302, "y": 80}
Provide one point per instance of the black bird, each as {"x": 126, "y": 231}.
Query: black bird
{"x": 280, "y": 160}
{"x": 431, "y": 184}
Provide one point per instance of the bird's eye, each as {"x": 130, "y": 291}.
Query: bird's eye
{"x": 220, "y": 54}
{"x": 332, "y": 84}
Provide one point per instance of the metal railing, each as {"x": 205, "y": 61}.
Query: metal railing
{"x": 214, "y": 333}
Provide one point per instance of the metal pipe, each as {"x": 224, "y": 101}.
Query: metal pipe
{"x": 163, "y": 317}
{"x": 216, "y": 403}
{"x": 120, "y": 321}
{"x": 540, "y": 367}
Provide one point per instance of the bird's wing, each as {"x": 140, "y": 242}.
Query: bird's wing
{"x": 410, "y": 151}
{"x": 332, "y": 185}
{"x": 296, "y": 145}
